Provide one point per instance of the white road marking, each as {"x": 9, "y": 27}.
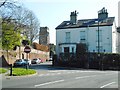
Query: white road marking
{"x": 52, "y": 74}
{"x": 41, "y": 75}
{"x": 77, "y": 71}
{"x": 68, "y": 72}
{"x": 92, "y": 76}
{"x": 72, "y": 72}
{"x": 85, "y": 76}
{"x": 107, "y": 84}
{"x": 49, "y": 83}
{"x": 53, "y": 71}
{"x": 47, "y": 74}
{"x": 58, "y": 73}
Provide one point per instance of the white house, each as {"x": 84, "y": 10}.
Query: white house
{"x": 118, "y": 30}
{"x": 95, "y": 33}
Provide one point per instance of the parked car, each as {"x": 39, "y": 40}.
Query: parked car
{"x": 50, "y": 59}
{"x": 28, "y": 61}
{"x": 36, "y": 61}
{"x": 20, "y": 62}
{"x": 41, "y": 61}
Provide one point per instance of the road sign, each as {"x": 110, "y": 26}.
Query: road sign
{"x": 27, "y": 49}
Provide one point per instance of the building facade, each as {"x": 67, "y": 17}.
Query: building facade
{"x": 44, "y": 37}
{"x": 118, "y": 29}
{"x": 98, "y": 34}
{"x": 119, "y": 14}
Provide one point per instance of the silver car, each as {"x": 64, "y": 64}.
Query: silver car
{"x": 20, "y": 62}
{"x": 28, "y": 62}
{"x": 36, "y": 61}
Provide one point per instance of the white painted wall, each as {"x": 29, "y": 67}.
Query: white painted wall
{"x": 114, "y": 38}
{"x": 108, "y": 38}
{"x": 119, "y": 14}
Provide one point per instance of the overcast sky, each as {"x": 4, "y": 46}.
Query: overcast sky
{"x": 53, "y": 12}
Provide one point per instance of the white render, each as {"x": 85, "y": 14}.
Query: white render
{"x": 108, "y": 42}
{"x": 119, "y": 14}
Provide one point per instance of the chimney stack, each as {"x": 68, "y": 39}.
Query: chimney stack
{"x": 73, "y": 17}
{"x": 103, "y": 14}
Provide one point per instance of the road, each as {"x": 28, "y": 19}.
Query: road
{"x": 52, "y": 77}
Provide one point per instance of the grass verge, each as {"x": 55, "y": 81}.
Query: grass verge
{"x": 2, "y": 70}
{"x": 22, "y": 71}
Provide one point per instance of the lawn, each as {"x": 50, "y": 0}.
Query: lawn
{"x": 22, "y": 71}
{"x": 2, "y": 70}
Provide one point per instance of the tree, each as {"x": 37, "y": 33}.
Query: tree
{"x": 7, "y": 8}
{"x": 24, "y": 18}
{"x": 34, "y": 27}
{"x": 10, "y": 38}
{"x": 6, "y": 3}
{"x": 3, "y": 3}
{"x": 52, "y": 49}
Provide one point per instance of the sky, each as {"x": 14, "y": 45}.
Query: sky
{"x": 51, "y": 13}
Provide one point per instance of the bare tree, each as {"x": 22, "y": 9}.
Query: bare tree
{"x": 22, "y": 17}
{"x": 7, "y": 7}
{"x": 29, "y": 21}
{"x": 2, "y": 3}
{"x": 34, "y": 27}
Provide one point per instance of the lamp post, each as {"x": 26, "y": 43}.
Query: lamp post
{"x": 98, "y": 39}
{"x": 98, "y": 45}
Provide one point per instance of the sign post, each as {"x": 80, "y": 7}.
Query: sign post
{"x": 27, "y": 50}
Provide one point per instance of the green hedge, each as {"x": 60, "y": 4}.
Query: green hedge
{"x": 95, "y": 61}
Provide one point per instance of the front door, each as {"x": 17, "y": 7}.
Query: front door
{"x": 66, "y": 50}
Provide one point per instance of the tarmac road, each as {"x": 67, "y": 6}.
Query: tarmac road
{"x": 56, "y": 77}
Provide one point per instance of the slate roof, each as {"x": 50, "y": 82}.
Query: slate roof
{"x": 86, "y": 22}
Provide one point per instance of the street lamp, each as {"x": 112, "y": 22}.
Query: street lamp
{"x": 98, "y": 44}
{"x": 98, "y": 39}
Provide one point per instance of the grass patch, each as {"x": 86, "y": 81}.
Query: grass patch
{"x": 22, "y": 71}
{"x": 2, "y": 70}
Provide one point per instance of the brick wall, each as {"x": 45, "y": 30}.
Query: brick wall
{"x": 13, "y": 55}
